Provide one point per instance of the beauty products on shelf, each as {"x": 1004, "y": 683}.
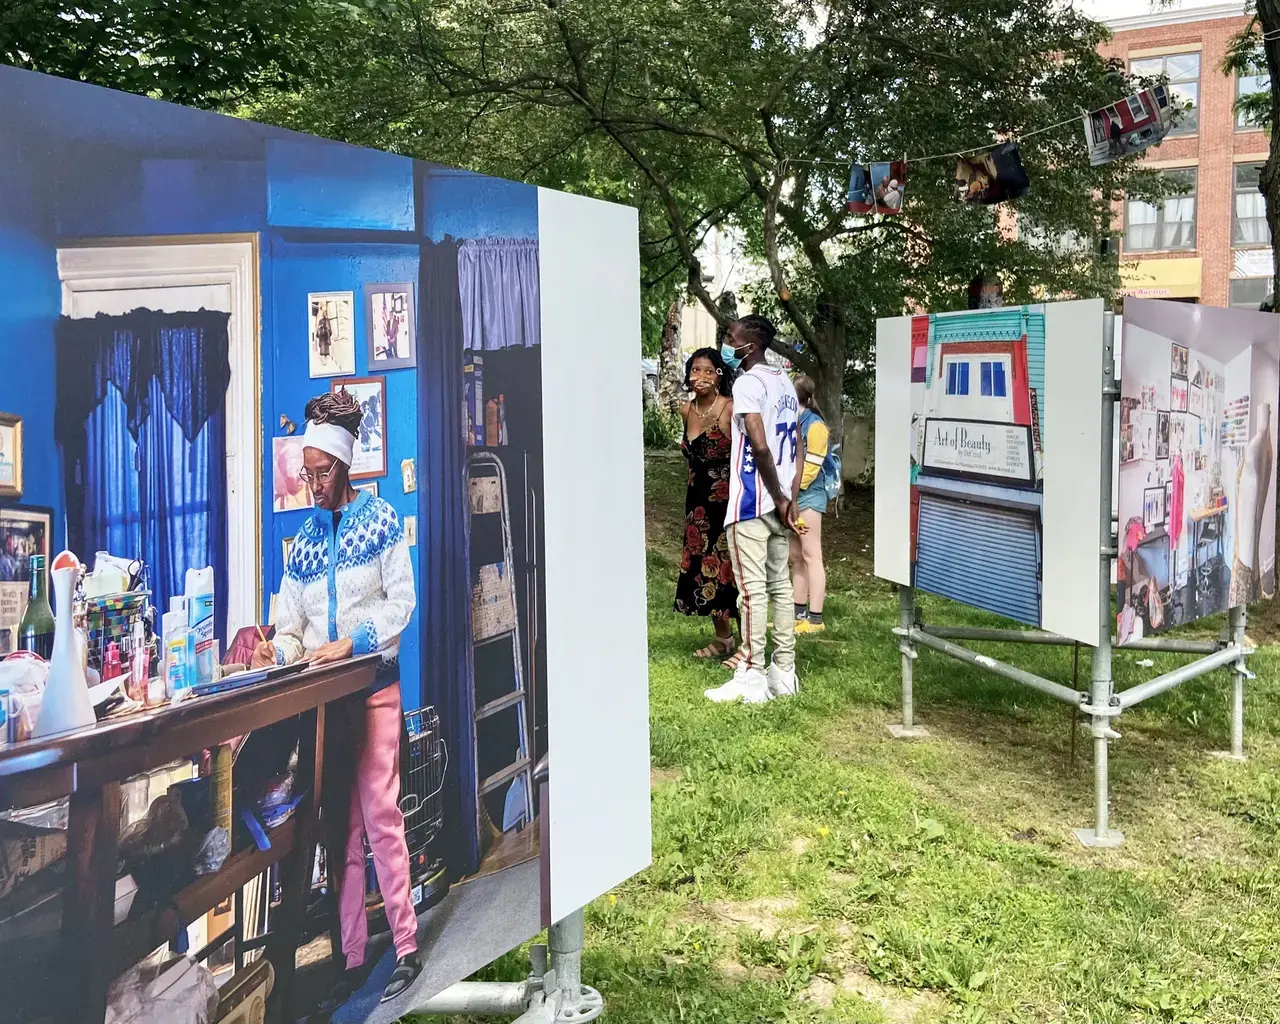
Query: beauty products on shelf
{"x": 174, "y": 632}
{"x": 201, "y": 645}
{"x": 66, "y": 703}
{"x": 35, "y": 632}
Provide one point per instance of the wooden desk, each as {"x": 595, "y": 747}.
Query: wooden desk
{"x": 88, "y": 765}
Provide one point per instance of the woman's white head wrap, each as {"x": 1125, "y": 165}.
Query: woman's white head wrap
{"x": 330, "y": 439}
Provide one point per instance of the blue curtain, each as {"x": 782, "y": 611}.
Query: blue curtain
{"x": 141, "y": 420}
{"x": 444, "y": 587}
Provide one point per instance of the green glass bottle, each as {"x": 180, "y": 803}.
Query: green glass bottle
{"x": 35, "y": 633}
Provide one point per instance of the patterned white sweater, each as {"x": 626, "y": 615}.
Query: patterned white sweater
{"x": 357, "y": 583}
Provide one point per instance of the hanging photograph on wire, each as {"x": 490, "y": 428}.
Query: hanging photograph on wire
{"x": 880, "y": 188}
{"x": 1128, "y": 126}
{"x": 992, "y": 176}
{"x": 888, "y": 185}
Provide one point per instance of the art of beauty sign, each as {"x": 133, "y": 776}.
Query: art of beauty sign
{"x": 996, "y": 451}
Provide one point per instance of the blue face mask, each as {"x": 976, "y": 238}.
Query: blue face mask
{"x": 730, "y": 356}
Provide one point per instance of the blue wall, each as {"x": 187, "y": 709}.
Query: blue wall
{"x": 466, "y": 205}
{"x": 314, "y": 183}
{"x": 91, "y": 163}
{"x": 30, "y": 301}
{"x": 297, "y": 268}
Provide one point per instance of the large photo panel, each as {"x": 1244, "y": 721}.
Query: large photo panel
{"x": 977, "y": 399}
{"x": 177, "y": 286}
{"x": 1197, "y": 452}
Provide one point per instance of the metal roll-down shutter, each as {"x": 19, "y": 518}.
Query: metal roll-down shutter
{"x": 982, "y": 555}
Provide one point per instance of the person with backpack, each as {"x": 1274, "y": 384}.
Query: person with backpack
{"x": 819, "y": 478}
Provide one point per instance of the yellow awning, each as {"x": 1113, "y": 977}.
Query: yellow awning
{"x": 1162, "y": 279}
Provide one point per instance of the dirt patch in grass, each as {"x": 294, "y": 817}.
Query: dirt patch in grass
{"x": 661, "y": 776}
{"x": 766, "y": 917}
{"x": 736, "y": 973}
{"x": 899, "y": 1006}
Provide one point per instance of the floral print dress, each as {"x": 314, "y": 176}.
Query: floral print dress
{"x": 706, "y": 583}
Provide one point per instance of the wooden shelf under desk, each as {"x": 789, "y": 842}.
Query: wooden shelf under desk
{"x": 136, "y": 937}
{"x": 88, "y": 765}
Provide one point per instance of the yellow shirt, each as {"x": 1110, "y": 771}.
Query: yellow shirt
{"x": 815, "y": 451}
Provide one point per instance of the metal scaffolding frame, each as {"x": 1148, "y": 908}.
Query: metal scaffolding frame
{"x": 1101, "y": 703}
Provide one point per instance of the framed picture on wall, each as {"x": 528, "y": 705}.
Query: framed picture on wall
{"x": 371, "y": 487}
{"x": 289, "y": 491}
{"x": 331, "y": 339}
{"x": 286, "y": 549}
{"x": 1153, "y": 507}
{"x": 391, "y": 336}
{"x": 1168, "y": 501}
{"x": 10, "y": 455}
{"x": 24, "y": 531}
{"x": 1162, "y": 435}
{"x": 370, "y": 457}
{"x": 1178, "y": 364}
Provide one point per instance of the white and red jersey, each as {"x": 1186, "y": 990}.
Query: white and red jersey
{"x": 769, "y": 392}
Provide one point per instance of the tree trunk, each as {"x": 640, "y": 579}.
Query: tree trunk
{"x": 670, "y": 371}
{"x": 1269, "y": 19}
{"x": 828, "y": 365}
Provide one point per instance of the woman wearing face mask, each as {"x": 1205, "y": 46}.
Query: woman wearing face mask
{"x": 706, "y": 584}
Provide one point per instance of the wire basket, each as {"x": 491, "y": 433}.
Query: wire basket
{"x": 110, "y": 620}
{"x": 422, "y": 779}
{"x": 421, "y": 785}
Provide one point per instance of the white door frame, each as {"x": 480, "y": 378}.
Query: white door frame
{"x": 118, "y": 264}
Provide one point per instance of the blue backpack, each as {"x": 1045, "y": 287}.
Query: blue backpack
{"x": 829, "y": 472}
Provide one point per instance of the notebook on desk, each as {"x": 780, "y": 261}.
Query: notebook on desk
{"x": 238, "y": 680}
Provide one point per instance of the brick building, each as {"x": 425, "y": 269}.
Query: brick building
{"x": 1210, "y": 242}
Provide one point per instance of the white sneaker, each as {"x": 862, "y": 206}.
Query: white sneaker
{"x": 782, "y": 684}
{"x": 748, "y": 685}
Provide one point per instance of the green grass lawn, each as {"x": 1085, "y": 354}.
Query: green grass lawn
{"x": 806, "y": 867}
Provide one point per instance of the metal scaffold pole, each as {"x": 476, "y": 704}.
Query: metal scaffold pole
{"x": 552, "y": 994}
{"x": 1102, "y": 706}
{"x": 908, "y": 730}
{"x": 1239, "y": 674}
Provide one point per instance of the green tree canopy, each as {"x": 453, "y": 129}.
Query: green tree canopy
{"x": 204, "y": 53}
{"x": 737, "y": 112}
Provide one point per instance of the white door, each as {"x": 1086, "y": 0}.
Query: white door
{"x": 178, "y": 278}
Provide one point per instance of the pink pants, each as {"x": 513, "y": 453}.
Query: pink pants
{"x": 375, "y": 811}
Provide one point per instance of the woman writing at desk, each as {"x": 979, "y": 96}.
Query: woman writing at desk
{"x": 348, "y": 591}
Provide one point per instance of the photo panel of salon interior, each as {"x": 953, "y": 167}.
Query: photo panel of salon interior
{"x": 177, "y": 287}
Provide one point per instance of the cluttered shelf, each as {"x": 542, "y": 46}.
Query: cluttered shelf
{"x": 88, "y": 858}
{"x": 42, "y": 769}
{"x": 137, "y": 936}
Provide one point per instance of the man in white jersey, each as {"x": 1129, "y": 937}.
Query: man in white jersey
{"x": 764, "y": 481}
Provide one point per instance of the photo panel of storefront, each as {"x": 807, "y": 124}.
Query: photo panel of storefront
{"x": 976, "y": 466}
{"x": 1197, "y": 465}
{"x": 164, "y": 261}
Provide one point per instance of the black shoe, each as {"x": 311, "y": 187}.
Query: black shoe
{"x": 343, "y": 989}
{"x": 406, "y": 973}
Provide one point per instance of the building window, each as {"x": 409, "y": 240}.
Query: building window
{"x": 1183, "y": 72}
{"x": 993, "y": 385}
{"x": 1249, "y": 209}
{"x": 1136, "y": 109}
{"x": 1064, "y": 243}
{"x": 1250, "y": 85}
{"x": 958, "y": 378}
{"x": 1169, "y": 225}
{"x": 1249, "y": 292}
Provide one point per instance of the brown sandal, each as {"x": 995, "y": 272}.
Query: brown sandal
{"x": 734, "y": 660}
{"x": 718, "y": 648}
